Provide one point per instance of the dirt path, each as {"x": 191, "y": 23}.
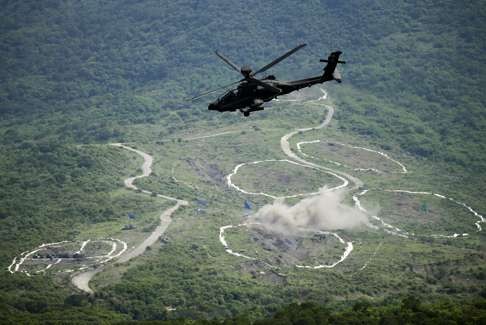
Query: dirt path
{"x": 285, "y": 145}
{"x": 165, "y": 219}
{"x": 211, "y": 135}
{"x": 81, "y": 280}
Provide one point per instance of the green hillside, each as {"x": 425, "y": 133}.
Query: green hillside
{"x": 77, "y": 75}
{"x": 123, "y": 61}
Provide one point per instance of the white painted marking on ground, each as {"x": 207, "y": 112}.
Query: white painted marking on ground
{"x": 402, "y": 166}
{"x": 402, "y": 233}
{"x": 347, "y": 251}
{"x": 235, "y": 170}
{"x": 82, "y": 246}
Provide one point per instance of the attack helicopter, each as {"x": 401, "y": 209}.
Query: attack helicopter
{"x": 251, "y": 93}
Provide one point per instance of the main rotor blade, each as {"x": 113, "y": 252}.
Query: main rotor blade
{"x": 227, "y": 61}
{"x": 271, "y": 64}
{"x": 214, "y": 90}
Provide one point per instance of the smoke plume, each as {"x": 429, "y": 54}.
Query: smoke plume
{"x": 322, "y": 212}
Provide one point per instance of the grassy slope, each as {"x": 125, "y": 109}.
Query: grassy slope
{"x": 220, "y": 285}
{"x": 77, "y": 72}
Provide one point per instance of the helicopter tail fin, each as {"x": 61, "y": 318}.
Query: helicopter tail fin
{"x": 330, "y": 71}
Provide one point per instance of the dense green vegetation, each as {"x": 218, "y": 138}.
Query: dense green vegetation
{"x": 119, "y": 62}
{"x": 93, "y": 72}
{"x": 410, "y": 310}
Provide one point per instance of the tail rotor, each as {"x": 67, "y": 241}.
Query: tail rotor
{"x": 330, "y": 71}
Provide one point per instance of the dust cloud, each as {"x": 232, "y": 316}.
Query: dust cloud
{"x": 325, "y": 211}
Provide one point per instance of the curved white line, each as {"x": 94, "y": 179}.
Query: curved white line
{"x": 402, "y": 233}
{"x": 83, "y": 244}
{"x": 347, "y": 251}
{"x": 285, "y": 145}
{"x": 222, "y": 239}
{"x": 237, "y": 167}
{"x": 12, "y": 264}
{"x": 385, "y": 155}
{"x": 49, "y": 266}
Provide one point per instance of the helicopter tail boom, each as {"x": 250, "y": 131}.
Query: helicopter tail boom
{"x": 330, "y": 71}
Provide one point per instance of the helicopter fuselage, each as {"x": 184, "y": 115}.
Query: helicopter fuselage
{"x": 249, "y": 97}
